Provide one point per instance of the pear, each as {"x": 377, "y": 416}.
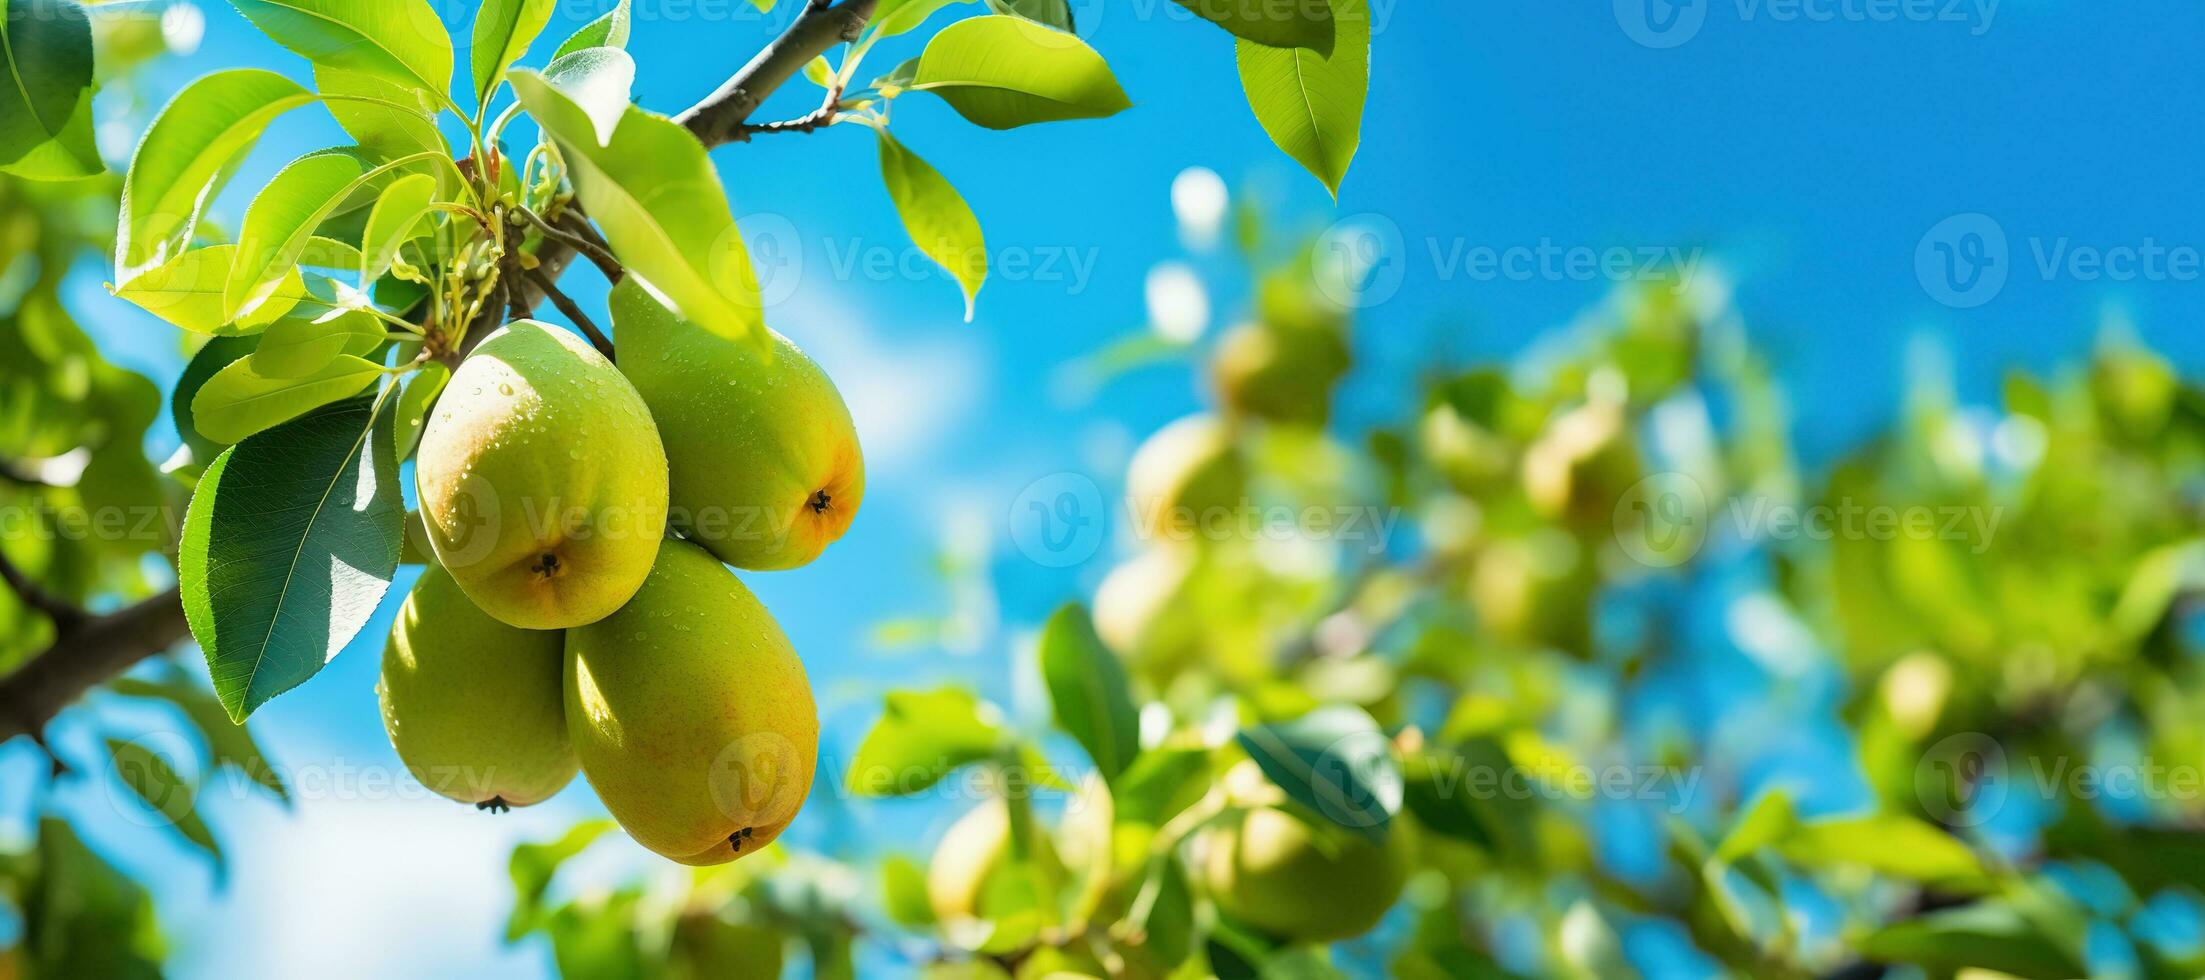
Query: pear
{"x": 973, "y": 863}
{"x": 1279, "y": 873}
{"x": 472, "y": 705}
{"x": 766, "y": 467}
{"x": 1187, "y": 483}
{"x": 1283, "y": 374}
{"x": 691, "y": 713}
{"x": 542, "y": 481}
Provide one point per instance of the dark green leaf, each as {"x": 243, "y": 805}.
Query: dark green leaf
{"x": 214, "y": 355}
{"x": 1334, "y": 761}
{"x": 290, "y": 542}
{"x": 46, "y": 104}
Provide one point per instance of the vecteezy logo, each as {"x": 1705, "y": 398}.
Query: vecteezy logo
{"x": 1057, "y": 521}
{"x": 1358, "y": 261}
{"x": 1961, "y": 780}
{"x": 1662, "y": 520}
{"x": 1661, "y": 23}
{"x": 1962, "y": 261}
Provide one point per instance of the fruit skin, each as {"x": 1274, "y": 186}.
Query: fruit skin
{"x": 1270, "y": 870}
{"x": 1283, "y": 374}
{"x": 542, "y": 481}
{"x": 767, "y": 471}
{"x": 472, "y": 705}
{"x": 691, "y": 713}
{"x": 976, "y": 847}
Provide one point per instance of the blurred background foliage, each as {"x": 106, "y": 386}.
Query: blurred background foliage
{"x": 1486, "y": 714}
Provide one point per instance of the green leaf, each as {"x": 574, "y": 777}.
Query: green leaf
{"x": 1770, "y": 820}
{"x": 46, "y": 103}
{"x": 1984, "y": 937}
{"x": 164, "y": 792}
{"x": 903, "y": 892}
{"x": 296, "y": 347}
{"x": 1087, "y": 688}
{"x": 1272, "y": 23}
{"x": 1161, "y": 783}
{"x": 228, "y": 743}
{"x": 936, "y": 217}
{"x": 81, "y": 917}
{"x": 414, "y": 404}
{"x": 290, "y": 542}
{"x": 922, "y": 738}
{"x": 241, "y": 400}
{"x": 186, "y": 156}
{"x": 1334, "y": 761}
{"x": 214, "y": 355}
{"x": 893, "y": 17}
{"x": 1891, "y": 844}
{"x": 187, "y": 291}
{"x": 503, "y": 31}
{"x": 1311, "y": 105}
{"x": 1054, "y": 14}
{"x": 532, "y": 867}
{"x": 599, "y": 80}
{"x": 609, "y": 31}
{"x": 653, "y": 191}
{"x": 1002, "y": 72}
{"x": 399, "y": 41}
{"x": 283, "y": 217}
{"x": 396, "y": 219}
{"x": 391, "y": 119}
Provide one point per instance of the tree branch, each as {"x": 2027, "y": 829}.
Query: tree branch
{"x": 574, "y": 312}
{"x": 100, "y": 648}
{"x": 65, "y": 614}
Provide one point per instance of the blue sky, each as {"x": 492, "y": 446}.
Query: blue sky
{"x": 1806, "y": 150}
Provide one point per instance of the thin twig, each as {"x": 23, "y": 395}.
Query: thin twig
{"x": 590, "y": 250}
{"x": 809, "y": 122}
{"x": 66, "y": 615}
{"x": 573, "y": 311}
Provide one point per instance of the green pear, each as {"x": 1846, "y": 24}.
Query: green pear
{"x": 1281, "y": 374}
{"x": 542, "y": 481}
{"x": 472, "y": 705}
{"x": 1275, "y": 871}
{"x": 973, "y": 871}
{"x": 691, "y": 713}
{"x": 766, "y": 467}
{"x": 1187, "y": 483}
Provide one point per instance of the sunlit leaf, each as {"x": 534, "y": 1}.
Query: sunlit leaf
{"x": 384, "y": 116}
{"x": 397, "y": 218}
{"x": 241, "y": 400}
{"x": 415, "y": 403}
{"x": 185, "y": 157}
{"x": 1311, "y": 105}
{"x": 609, "y": 31}
{"x": 654, "y": 193}
{"x": 921, "y": 738}
{"x": 936, "y": 217}
{"x": 503, "y": 31}
{"x": 400, "y": 41}
{"x": 532, "y": 867}
{"x": 296, "y": 347}
{"x": 187, "y": 291}
{"x": 1001, "y": 72}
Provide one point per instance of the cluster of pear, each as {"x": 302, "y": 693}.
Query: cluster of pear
{"x": 1189, "y": 486}
{"x": 580, "y": 614}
